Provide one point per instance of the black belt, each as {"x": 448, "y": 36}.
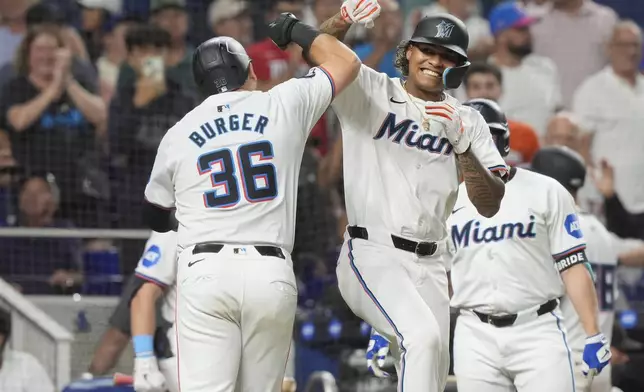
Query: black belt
{"x": 213, "y": 247}
{"x": 419, "y": 248}
{"x": 509, "y": 319}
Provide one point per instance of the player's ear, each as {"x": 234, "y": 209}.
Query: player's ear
{"x": 408, "y": 52}
{"x": 251, "y": 72}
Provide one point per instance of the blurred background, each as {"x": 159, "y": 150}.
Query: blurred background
{"x": 89, "y": 87}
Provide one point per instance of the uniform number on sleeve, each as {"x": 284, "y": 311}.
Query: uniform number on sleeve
{"x": 252, "y": 164}
{"x": 605, "y": 285}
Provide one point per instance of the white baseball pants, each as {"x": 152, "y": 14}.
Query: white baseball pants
{"x": 532, "y": 356}
{"x": 235, "y": 312}
{"x": 405, "y": 298}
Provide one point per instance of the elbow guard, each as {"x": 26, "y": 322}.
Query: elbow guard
{"x": 570, "y": 260}
{"x": 159, "y": 219}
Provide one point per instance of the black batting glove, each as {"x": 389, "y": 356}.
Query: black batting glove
{"x": 280, "y": 29}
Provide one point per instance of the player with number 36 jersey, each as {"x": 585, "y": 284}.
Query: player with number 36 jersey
{"x": 230, "y": 168}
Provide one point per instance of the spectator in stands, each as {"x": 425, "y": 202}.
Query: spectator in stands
{"x": 139, "y": 117}
{"x": 48, "y": 15}
{"x": 324, "y": 9}
{"x": 7, "y": 177}
{"x": 481, "y": 41}
{"x": 574, "y": 33}
{"x": 113, "y": 56}
{"x": 609, "y": 104}
{"x": 19, "y": 371}
{"x": 531, "y": 90}
{"x": 171, "y": 16}
{"x": 41, "y": 265}
{"x": 53, "y": 119}
{"x": 95, "y": 15}
{"x": 231, "y": 18}
{"x": 485, "y": 80}
{"x": 12, "y": 27}
{"x": 536, "y": 8}
{"x": 380, "y": 52}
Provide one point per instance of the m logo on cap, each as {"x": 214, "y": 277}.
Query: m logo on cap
{"x": 444, "y": 30}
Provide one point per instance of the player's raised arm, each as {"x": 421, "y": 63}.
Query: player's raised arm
{"x": 332, "y": 56}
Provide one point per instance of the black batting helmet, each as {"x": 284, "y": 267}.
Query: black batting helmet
{"x": 495, "y": 119}
{"x": 562, "y": 164}
{"x": 449, "y": 32}
{"x": 219, "y": 65}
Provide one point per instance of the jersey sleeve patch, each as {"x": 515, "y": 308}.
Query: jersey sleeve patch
{"x": 151, "y": 256}
{"x": 571, "y": 224}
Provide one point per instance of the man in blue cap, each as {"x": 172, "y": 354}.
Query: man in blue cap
{"x": 532, "y": 91}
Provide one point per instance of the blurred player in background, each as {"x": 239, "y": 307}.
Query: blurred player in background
{"x": 155, "y": 365}
{"x": 510, "y": 332}
{"x": 569, "y": 168}
{"x": 237, "y": 296}
{"x": 409, "y": 139}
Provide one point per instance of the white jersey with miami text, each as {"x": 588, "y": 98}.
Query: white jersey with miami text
{"x": 158, "y": 265}
{"x": 602, "y": 257}
{"x": 506, "y": 264}
{"x": 399, "y": 177}
{"x": 231, "y": 165}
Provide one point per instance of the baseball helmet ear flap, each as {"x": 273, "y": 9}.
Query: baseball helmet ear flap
{"x": 453, "y": 76}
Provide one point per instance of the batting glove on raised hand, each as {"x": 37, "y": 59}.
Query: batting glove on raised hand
{"x": 448, "y": 116}
{"x": 596, "y": 355}
{"x": 377, "y": 353}
{"x": 360, "y": 11}
{"x": 280, "y": 29}
{"x": 147, "y": 377}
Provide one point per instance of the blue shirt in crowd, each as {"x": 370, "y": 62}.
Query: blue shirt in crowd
{"x": 386, "y": 64}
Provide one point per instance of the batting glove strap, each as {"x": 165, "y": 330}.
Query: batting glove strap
{"x": 376, "y": 354}
{"x": 596, "y": 354}
{"x": 143, "y": 346}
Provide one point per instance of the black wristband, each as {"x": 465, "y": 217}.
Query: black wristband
{"x": 304, "y": 35}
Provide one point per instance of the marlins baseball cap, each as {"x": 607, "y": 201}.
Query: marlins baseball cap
{"x": 509, "y": 15}
{"x": 225, "y": 9}
{"x": 159, "y": 5}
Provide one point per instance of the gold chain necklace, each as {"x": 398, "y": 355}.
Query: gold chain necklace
{"x": 425, "y": 122}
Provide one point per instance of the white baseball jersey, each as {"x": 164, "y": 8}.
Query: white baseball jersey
{"x": 399, "y": 177}
{"x": 504, "y": 264}
{"x": 231, "y": 165}
{"x": 603, "y": 258}
{"x": 158, "y": 265}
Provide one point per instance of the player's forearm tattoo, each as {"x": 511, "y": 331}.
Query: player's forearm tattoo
{"x": 335, "y": 26}
{"x": 484, "y": 189}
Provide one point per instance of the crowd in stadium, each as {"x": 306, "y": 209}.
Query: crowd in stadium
{"x": 89, "y": 87}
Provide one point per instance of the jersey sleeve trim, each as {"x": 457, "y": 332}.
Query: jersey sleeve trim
{"x": 328, "y": 75}
{"x": 497, "y": 168}
{"x": 570, "y": 251}
{"x": 150, "y": 279}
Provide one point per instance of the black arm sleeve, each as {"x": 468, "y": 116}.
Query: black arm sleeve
{"x": 159, "y": 219}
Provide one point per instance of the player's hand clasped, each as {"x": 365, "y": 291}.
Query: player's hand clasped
{"x": 147, "y": 376}
{"x": 596, "y": 354}
{"x": 448, "y": 116}
{"x": 280, "y": 29}
{"x": 363, "y": 12}
{"x": 377, "y": 353}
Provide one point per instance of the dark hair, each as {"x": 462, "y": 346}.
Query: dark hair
{"x": 146, "y": 35}
{"x": 483, "y": 68}
{"x": 401, "y": 62}
{"x": 44, "y": 13}
{"x": 21, "y": 60}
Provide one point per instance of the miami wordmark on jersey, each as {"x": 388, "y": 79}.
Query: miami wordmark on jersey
{"x": 506, "y": 264}
{"x": 407, "y": 175}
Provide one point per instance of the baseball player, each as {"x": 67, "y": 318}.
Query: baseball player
{"x": 155, "y": 365}
{"x": 410, "y": 139}
{"x": 507, "y": 275}
{"x": 229, "y": 168}
{"x": 569, "y": 168}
